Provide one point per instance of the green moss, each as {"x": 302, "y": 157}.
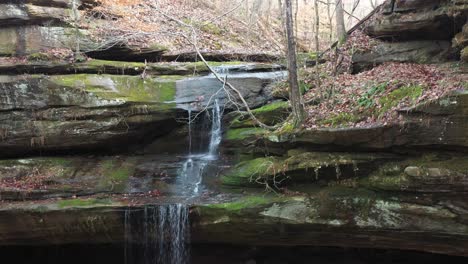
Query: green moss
{"x": 367, "y": 100}
{"x": 128, "y": 88}
{"x": 247, "y": 202}
{"x": 244, "y": 133}
{"x": 118, "y": 64}
{"x": 286, "y": 128}
{"x": 64, "y": 162}
{"x": 275, "y": 106}
{"x": 340, "y": 119}
{"x": 83, "y": 202}
{"x": 411, "y": 93}
{"x": 270, "y": 114}
{"x": 391, "y": 176}
{"x": 39, "y": 56}
{"x": 116, "y": 171}
{"x": 121, "y": 174}
{"x": 245, "y": 173}
{"x": 200, "y": 66}
{"x": 157, "y": 46}
{"x": 211, "y": 28}
{"x": 303, "y": 57}
{"x": 464, "y": 54}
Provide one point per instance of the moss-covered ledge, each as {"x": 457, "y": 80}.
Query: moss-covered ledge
{"x": 39, "y": 64}
{"x": 301, "y": 166}
{"x": 333, "y": 217}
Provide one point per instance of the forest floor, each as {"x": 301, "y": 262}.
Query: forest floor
{"x": 147, "y": 24}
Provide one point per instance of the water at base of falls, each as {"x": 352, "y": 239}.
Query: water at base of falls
{"x": 157, "y": 234}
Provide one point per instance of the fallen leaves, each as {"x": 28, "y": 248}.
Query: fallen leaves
{"x": 343, "y": 93}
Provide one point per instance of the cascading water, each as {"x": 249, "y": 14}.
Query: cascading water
{"x": 157, "y": 234}
{"x": 215, "y": 138}
{"x": 160, "y": 233}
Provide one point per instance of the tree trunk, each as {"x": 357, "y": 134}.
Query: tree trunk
{"x": 317, "y": 46}
{"x": 340, "y": 24}
{"x": 76, "y": 20}
{"x": 330, "y": 20}
{"x": 294, "y": 92}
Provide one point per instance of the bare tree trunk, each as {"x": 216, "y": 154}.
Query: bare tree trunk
{"x": 340, "y": 24}
{"x": 296, "y": 12}
{"x": 330, "y": 20}
{"x": 76, "y": 20}
{"x": 317, "y": 45}
{"x": 317, "y": 26}
{"x": 283, "y": 24}
{"x": 294, "y": 92}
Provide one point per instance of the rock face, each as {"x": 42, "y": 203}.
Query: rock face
{"x": 99, "y": 112}
{"x": 422, "y": 51}
{"x": 413, "y": 20}
{"x": 416, "y": 31}
{"x": 444, "y": 125}
{"x": 331, "y": 218}
{"x": 253, "y": 87}
{"x": 82, "y": 112}
{"x": 23, "y": 32}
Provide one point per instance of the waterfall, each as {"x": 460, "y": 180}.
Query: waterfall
{"x": 161, "y": 234}
{"x": 215, "y": 138}
{"x": 157, "y": 234}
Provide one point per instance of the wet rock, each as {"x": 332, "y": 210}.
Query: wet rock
{"x": 334, "y": 217}
{"x": 196, "y": 93}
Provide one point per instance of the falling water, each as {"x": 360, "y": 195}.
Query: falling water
{"x": 215, "y": 138}
{"x": 190, "y": 130}
{"x": 157, "y": 234}
{"x": 160, "y": 234}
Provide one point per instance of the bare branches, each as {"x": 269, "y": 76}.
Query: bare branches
{"x": 193, "y": 41}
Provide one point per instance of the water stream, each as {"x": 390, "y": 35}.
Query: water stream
{"x": 161, "y": 233}
{"x": 157, "y": 234}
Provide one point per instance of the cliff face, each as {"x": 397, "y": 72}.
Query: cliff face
{"x": 416, "y": 31}
{"x": 32, "y": 26}
{"x": 401, "y": 186}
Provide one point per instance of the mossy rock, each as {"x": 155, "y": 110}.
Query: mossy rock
{"x": 66, "y": 176}
{"x": 302, "y": 167}
{"x": 252, "y": 172}
{"x": 341, "y": 119}
{"x": 240, "y": 134}
{"x": 406, "y": 93}
{"x": 39, "y": 56}
{"x": 91, "y": 202}
{"x": 430, "y": 173}
{"x": 243, "y": 203}
{"x": 464, "y": 54}
{"x": 270, "y": 114}
{"x": 125, "y": 88}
